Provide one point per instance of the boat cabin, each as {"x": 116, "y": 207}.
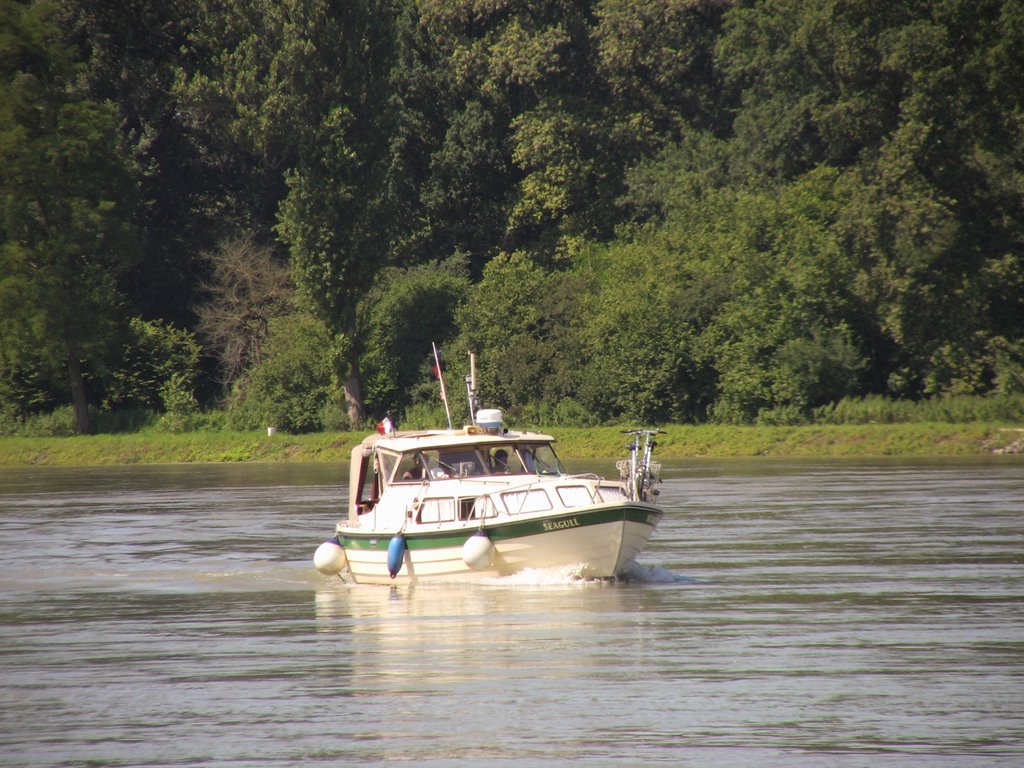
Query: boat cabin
{"x": 417, "y": 458}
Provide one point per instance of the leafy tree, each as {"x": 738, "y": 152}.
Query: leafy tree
{"x": 522, "y": 320}
{"x": 462, "y": 195}
{"x": 819, "y": 368}
{"x": 791, "y": 289}
{"x": 811, "y": 81}
{"x": 244, "y": 94}
{"x": 672, "y": 210}
{"x": 406, "y": 311}
{"x": 505, "y": 101}
{"x": 739, "y": 302}
{"x": 191, "y": 189}
{"x": 28, "y": 385}
{"x": 928, "y": 216}
{"x": 657, "y": 58}
{"x": 67, "y": 194}
{"x": 304, "y": 87}
{"x": 642, "y": 359}
{"x": 179, "y": 403}
{"x": 540, "y": 61}
{"x": 938, "y": 211}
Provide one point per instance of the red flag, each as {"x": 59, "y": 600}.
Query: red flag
{"x": 438, "y": 366}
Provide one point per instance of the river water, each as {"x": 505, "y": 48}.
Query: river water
{"x": 818, "y": 613}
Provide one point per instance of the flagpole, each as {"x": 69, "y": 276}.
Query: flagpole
{"x": 440, "y": 377}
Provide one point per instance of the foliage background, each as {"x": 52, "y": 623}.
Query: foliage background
{"x": 762, "y": 211}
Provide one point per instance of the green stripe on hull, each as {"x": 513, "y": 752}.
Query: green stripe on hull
{"x": 507, "y": 530}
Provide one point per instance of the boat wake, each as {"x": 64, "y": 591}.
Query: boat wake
{"x": 565, "y": 575}
{"x": 653, "y": 574}
{"x": 571, "y": 575}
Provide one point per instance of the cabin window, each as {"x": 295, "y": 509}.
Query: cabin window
{"x": 370, "y": 491}
{"x": 521, "y": 502}
{"x": 412, "y": 467}
{"x": 612, "y": 493}
{"x": 436, "y": 511}
{"x": 575, "y": 495}
{"x": 387, "y": 465}
{"x": 443, "y": 510}
{"x": 483, "y": 506}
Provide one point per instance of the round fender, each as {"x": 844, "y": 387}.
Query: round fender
{"x": 329, "y": 558}
{"x": 478, "y": 551}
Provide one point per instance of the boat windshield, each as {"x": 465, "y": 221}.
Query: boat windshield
{"x": 540, "y": 459}
{"x": 474, "y": 461}
{"x": 415, "y": 466}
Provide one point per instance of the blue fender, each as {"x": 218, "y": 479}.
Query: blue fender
{"x": 396, "y": 554}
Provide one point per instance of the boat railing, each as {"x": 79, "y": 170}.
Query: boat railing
{"x": 491, "y": 504}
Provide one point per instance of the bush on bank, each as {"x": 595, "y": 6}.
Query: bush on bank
{"x": 873, "y": 409}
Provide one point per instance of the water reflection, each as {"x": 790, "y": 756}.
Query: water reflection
{"x": 422, "y": 639}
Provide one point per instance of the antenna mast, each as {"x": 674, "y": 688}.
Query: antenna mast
{"x": 440, "y": 377}
{"x": 471, "y": 396}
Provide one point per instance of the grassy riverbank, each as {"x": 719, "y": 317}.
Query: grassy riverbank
{"x": 928, "y": 439}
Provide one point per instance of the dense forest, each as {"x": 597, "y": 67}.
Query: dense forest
{"x": 252, "y": 212}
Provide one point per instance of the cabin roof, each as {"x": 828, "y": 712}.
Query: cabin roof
{"x": 403, "y": 442}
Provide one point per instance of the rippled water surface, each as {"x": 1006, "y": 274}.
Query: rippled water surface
{"x": 786, "y": 613}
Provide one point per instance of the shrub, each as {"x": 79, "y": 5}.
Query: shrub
{"x": 334, "y": 417}
{"x": 155, "y": 355}
{"x": 962, "y": 409}
{"x": 180, "y": 406}
{"x": 125, "y": 420}
{"x": 565, "y": 413}
{"x": 293, "y": 383}
{"x": 58, "y": 423}
{"x": 425, "y": 415}
{"x": 781, "y": 416}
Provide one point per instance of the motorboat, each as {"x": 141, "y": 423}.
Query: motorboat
{"x": 485, "y": 501}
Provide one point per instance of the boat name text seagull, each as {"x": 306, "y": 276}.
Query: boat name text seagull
{"x": 558, "y": 525}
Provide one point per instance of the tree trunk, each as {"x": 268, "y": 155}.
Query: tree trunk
{"x": 354, "y": 398}
{"x": 353, "y": 380}
{"x": 78, "y": 399}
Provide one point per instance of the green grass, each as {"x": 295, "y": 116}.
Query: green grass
{"x": 154, "y": 447}
{"x": 804, "y": 441}
{"x": 151, "y": 447}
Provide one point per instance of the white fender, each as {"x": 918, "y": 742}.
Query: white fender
{"x": 478, "y": 551}
{"x": 329, "y": 558}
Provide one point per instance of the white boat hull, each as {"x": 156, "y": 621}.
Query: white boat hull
{"x": 597, "y": 542}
